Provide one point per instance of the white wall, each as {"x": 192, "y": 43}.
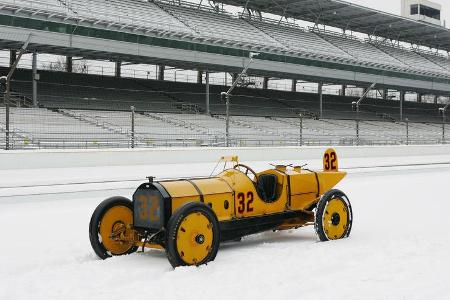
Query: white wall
{"x": 119, "y": 157}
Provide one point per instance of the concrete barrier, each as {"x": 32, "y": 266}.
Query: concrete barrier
{"x": 119, "y": 157}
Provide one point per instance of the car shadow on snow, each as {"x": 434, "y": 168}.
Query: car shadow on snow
{"x": 265, "y": 238}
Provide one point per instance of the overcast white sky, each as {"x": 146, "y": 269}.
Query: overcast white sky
{"x": 394, "y": 6}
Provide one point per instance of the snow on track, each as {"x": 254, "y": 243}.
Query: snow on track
{"x": 398, "y": 248}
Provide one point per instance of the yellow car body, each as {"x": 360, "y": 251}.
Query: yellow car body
{"x": 234, "y": 203}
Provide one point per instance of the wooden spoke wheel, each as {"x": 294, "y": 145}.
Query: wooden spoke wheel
{"x": 110, "y": 230}
{"x": 193, "y": 235}
{"x": 333, "y": 216}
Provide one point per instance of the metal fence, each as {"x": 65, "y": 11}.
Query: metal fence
{"x": 66, "y": 128}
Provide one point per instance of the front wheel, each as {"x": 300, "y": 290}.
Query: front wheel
{"x": 193, "y": 235}
{"x": 334, "y": 216}
{"x": 110, "y": 230}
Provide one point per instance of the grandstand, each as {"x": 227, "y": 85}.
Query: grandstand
{"x": 63, "y": 109}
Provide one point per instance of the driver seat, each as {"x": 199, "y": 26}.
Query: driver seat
{"x": 267, "y": 187}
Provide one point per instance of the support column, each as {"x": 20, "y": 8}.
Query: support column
{"x": 34, "y": 79}
{"x": 161, "y": 69}
{"x": 385, "y": 94}
{"x": 7, "y": 133}
{"x": 265, "y": 83}
{"x": 419, "y": 97}
{"x": 402, "y": 99}
{"x": 435, "y": 99}
{"x": 300, "y": 142}
{"x": 12, "y": 57}
{"x": 294, "y": 85}
{"x": 207, "y": 92}
{"x": 199, "y": 77}
{"x": 407, "y": 131}
{"x": 69, "y": 64}
{"x": 320, "y": 90}
{"x": 344, "y": 90}
{"x": 444, "y": 120}
{"x": 132, "y": 126}
{"x": 118, "y": 69}
{"x": 227, "y": 118}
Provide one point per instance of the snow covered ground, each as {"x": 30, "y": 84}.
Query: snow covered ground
{"x": 399, "y": 247}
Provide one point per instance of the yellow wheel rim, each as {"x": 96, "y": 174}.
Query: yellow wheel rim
{"x": 194, "y": 238}
{"x": 114, "y": 225}
{"x": 335, "y": 219}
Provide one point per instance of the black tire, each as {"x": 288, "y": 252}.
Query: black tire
{"x": 174, "y": 225}
{"x": 95, "y": 222}
{"x": 321, "y": 210}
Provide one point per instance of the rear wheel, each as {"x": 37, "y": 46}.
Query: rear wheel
{"x": 110, "y": 230}
{"x": 333, "y": 216}
{"x": 193, "y": 235}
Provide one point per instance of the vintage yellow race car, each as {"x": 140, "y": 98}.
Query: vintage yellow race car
{"x": 189, "y": 217}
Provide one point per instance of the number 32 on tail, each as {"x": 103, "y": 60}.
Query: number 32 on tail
{"x": 330, "y": 161}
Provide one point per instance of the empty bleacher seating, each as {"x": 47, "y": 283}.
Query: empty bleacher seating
{"x": 302, "y": 41}
{"x": 364, "y": 52}
{"x": 53, "y": 6}
{"x": 184, "y": 20}
{"x": 142, "y": 14}
{"x": 216, "y": 25}
{"x": 413, "y": 60}
{"x": 81, "y": 91}
{"x": 33, "y": 128}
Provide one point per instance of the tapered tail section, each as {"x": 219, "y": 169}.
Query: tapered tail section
{"x": 328, "y": 180}
{"x": 331, "y": 174}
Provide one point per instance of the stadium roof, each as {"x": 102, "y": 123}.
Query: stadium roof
{"x": 349, "y": 16}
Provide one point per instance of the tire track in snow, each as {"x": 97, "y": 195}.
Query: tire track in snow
{"x": 111, "y": 185}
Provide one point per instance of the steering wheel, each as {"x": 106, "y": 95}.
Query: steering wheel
{"x": 247, "y": 169}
